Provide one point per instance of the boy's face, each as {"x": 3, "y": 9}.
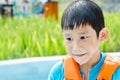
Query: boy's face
{"x": 81, "y": 43}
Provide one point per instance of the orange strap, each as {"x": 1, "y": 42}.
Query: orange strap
{"x": 72, "y": 72}
{"x": 71, "y": 69}
{"x": 108, "y": 68}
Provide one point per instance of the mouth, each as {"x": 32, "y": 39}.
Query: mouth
{"x": 79, "y": 55}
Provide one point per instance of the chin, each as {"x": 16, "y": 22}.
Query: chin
{"x": 82, "y": 61}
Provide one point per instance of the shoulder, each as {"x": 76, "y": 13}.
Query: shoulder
{"x": 116, "y": 75}
{"x": 58, "y": 66}
{"x": 111, "y": 66}
{"x": 57, "y": 72}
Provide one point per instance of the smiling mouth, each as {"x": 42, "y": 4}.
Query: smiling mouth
{"x": 79, "y": 55}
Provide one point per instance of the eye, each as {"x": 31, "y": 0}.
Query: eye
{"x": 68, "y": 39}
{"x": 83, "y": 37}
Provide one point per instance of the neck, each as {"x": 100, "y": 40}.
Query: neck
{"x": 87, "y": 66}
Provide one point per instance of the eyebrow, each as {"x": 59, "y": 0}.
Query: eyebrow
{"x": 67, "y": 34}
{"x": 83, "y": 33}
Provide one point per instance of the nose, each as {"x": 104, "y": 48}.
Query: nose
{"x": 77, "y": 45}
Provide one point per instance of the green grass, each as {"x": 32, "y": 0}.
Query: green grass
{"x": 112, "y": 44}
{"x": 34, "y": 36}
{"x": 26, "y": 37}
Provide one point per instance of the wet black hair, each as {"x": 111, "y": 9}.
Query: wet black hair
{"x": 83, "y": 12}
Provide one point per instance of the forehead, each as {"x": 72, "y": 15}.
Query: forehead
{"x": 82, "y": 29}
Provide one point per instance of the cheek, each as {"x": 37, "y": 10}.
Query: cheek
{"x": 68, "y": 47}
{"x": 92, "y": 44}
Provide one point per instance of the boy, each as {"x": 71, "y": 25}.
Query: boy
{"x": 83, "y": 30}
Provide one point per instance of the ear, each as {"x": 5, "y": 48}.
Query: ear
{"x": 103, "y": 34}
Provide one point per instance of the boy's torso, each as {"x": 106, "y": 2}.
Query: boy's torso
{"x": 58, "y": 71}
